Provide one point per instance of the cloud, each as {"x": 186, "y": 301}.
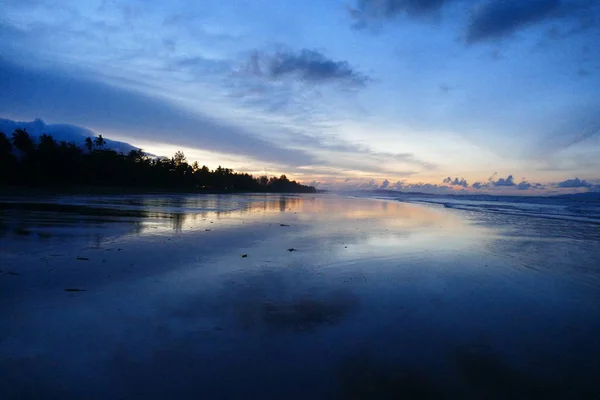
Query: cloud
{"x": 60, "y": 132}
{"x": 574, "y": 183}
{"x": 524, "y": 185}
{"x": 398, "y": 185}
{"x": 365, "y": 10}
{"x": 488, "y": 19}
{"x": 509, "y": 181}
{"x": 368, "y": 185}
{"x": 456, "y": 182}
{"x": 493, "y": 19}
{"x": 426, "y": 188}
{"x": 309, "y": 66}
{"x": 420, "y": 187}
{"x": 372, "y": 184}
{"x": 114, "y": 111}
{"x": 581, "y": 125}
{"x": 503, "y": 186}
{"x": 353, "y": 156}
{"x": 491, "y": 183}
{"x": 133, "y": 114}
{"x": 200, "y": 66}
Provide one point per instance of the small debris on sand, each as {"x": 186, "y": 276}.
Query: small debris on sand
{"x": 292, "y": 249}
{"x": 244, "y": 255}
{"x": 82, "y": 259}
{"x": 74, "y": 290}
{"x": 283, "y": 225}
{"x": 12, "y": 273}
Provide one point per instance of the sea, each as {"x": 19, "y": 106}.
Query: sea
{"x": 582, "y": 207}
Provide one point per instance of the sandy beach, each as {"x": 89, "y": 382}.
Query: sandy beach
{"x": 292, "y": 296}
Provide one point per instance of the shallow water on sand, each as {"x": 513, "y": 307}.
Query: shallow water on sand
{"x": 313, "y": 296}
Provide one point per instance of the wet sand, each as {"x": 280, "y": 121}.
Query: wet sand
{"x": 312, "y": 296}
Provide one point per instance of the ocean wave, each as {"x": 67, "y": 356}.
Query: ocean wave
{"x": 535, "y": 207}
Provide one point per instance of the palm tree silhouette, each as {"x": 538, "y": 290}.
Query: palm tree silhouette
{"x": 23, "y": 142}
{"x": 99, "y": 141}
{"x": 89, "y": 144}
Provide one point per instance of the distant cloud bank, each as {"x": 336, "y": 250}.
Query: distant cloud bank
{"x": 450, "y": 185}
{"x": 574, "y": 183}
{"x": 60, "y": 132}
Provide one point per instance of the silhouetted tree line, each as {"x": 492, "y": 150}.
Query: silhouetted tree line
{"x": 48, "y": 163}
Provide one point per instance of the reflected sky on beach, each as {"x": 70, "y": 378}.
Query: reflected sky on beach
{"x": 269, "y": 296}
{"x": 162, "y": 214}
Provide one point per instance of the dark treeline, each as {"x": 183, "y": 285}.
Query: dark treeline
{"x": 48, "y": 163}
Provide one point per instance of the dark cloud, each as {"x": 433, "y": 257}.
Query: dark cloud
{"x": 456, "y": 182}
{"x": 525, "y": 185}
{"x": 574, "y": 183}
{"x": 509, "y": 181}
{"x": 366, "y": 10}
{"x": 498, "y": 18}
{"x": 384, "y": 184}
{"x": 306, "y": 65}
{"x": 488, "y": 19}
{"x": 479, "y": 185}
{"x": 585, "y": 16}
{"x": 106, "y": 108}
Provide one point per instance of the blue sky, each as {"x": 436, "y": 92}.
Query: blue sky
{"x": 494, "y": 94}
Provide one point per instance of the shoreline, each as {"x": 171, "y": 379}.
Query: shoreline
{"x": 21, "y": 191}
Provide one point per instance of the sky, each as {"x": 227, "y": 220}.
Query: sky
{"x": 431, "y": 95}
